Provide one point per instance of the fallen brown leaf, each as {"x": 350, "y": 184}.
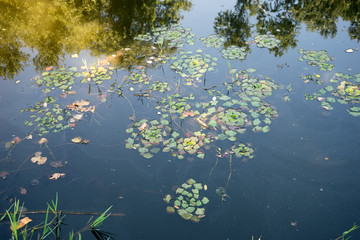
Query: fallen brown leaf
{"x": 56, "y": 176}
{"x": 38, "y": 158}
{"x": 80, "y": 106}
{"x": 143, "y": 126}
{"x": 188, "y": 113}
{"x": 43, "y": 140}
{"x": 76, "y": 140}
{"x": 22, "y": 223}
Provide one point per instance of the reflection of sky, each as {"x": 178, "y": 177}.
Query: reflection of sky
{"x": 203, "y": 13}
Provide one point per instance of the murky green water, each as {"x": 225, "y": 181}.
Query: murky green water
{"x": 135, "y": 98}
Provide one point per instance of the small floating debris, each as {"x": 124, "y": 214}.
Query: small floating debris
{"x": 350, "y": 50}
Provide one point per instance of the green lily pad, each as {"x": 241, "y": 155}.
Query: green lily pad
{"x": 205, "y": 200}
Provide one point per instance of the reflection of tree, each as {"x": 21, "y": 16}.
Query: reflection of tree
{"x": 53, "y": 28}
{"x": 283, "y": 19}
{"x": 322, "y": 15}
{"x": 234, "y": 25}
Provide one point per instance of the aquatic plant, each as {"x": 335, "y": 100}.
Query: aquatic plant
{"x": 47, "y": 116}
{"x": 214, "y": 41}
{"x": 267, "y": 41}
{"x": 61, "y": 78}
{"x": 234, "y": 52}
{"x": 189, "y": 202}
{"x": 172, "y": 36}
{"x": 192, "y": 66}
{"x": 343, "y": 89}
{"x": 318, "y": 59}
{"x": 97, "y": 73}
{"x": 53, "y": 221}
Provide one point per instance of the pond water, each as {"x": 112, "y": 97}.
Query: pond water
{"x": 135, "y": 98}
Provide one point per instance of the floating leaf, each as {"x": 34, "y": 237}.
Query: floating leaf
{"x": 21, "y": 223}
{"x": 205, "y": 200}
{"x": 38, "y": 158}
{"x": 56, "y": 176}
{"x": 76, "y": 140}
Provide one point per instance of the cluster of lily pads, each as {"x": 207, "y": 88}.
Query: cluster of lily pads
{"x": 97, "y": 74}
{"x": 214, "y": 41}
{"x": 233, "y": 116}
{"x": 47, "y": 116}
{"x": 234, "y": 52}
{"x": 318, "y": 59}
{"x": 267, "y": 41}
{"x": 221, "y": 118}
{"x": 159, "y": 86}
{"x": 192, "y": 66}
{"x": 172, "y": 36}
{"x": 312, "y": 78}
{"x": 188, "y": 203}
{"x": 243, "y": 150}
{"x": 344, "y": 89}
{"x": 176, "y": 104}
{"x": 138, "y": 77}
{"x": 149, "y": 137}
{"x": 61, "y": 78}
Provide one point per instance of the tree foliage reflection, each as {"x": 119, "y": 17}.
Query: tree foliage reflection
{"x": 53, "y": 28}
{"x": 283, "y": 19}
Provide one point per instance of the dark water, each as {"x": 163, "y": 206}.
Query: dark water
{"x": 305, "y": 170}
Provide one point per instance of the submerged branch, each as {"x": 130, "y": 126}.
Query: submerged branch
{"x": 70, "y": 213}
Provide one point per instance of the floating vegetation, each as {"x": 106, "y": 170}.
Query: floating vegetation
{"x": 234, "y": 52}
{"x": 97, "y": 74}
{"x": 233, "y": 115}
{"x": 48, "y": 116}
{"x": 241, "y": 150}
{"x": 177, "y": 104}
{"x": 147, "y": 136}
{"x": 343, "y": 88}
{"x": 159, "y": 86}
{"x": 138, "y": 77}
{"x": 173, "y": 36}
{"x": 193, "y": 66}
{"x": 318, "y": 59}
{"x": 191, "y": 145}
{"x": 267, "y": 41}
{"x": 61, "y": 78}
{"x": 189, "y": 202}
{"x": 223, "y": 117}
{"x": 214, "y": 41}
{"x": 312, "y": 77}
{"x": 221, "y": 192}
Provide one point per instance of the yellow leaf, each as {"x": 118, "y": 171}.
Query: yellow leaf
{"x": 76, "y": 140}
{"x": 56, "y": 176}
{"x": 38, "y": 158}
{"x": 43, "y": 140}
{"x": 22, "y": 223}
{"x": 143, "y": 126}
